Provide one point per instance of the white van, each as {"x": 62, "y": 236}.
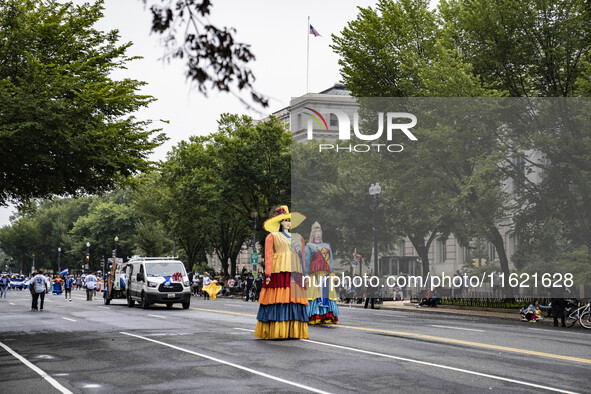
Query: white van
{"x": 151, "y": 280}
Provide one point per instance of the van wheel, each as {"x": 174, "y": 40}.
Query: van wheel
{"x": 186, "y": 305}
{"x": 130, "y": 302}
{"x": 169, "y": 305}
{"x": 145, "y": 303}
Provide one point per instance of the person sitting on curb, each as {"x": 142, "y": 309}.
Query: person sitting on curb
{"x": 432, "y": 298}
{"x": 533, "y": 312}
{"x": 426, "y": 299}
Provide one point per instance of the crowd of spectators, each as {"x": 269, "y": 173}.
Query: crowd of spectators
{"x": 231, "y": 286}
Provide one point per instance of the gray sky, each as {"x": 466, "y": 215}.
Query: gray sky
{"x": 277, "y": 32}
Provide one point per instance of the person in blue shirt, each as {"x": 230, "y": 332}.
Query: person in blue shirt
{"x": 4, "y": 282}
{"x": 68, "y": 284}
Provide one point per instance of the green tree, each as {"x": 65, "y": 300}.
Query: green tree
{"x": 252, "y": 163}
{"x": 185, "y": 197}
{"x": 526, "y": 48}
{"x": 41, "y": 229}
{"x": 65, "y": 124}
{"x": 18, "y": 242}
{"x": 404, "y": 54}
{"x": 107, "y": 217}
{"x": 212, "y": 184}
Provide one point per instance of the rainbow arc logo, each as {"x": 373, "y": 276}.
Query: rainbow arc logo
{"x": 317, "y": 117}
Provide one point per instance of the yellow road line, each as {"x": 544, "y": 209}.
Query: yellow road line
{"x": 437, "y": 339}
{"x": 470, "y": 343}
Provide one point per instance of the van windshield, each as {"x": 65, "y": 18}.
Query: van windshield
{"x": 164, "y": 269}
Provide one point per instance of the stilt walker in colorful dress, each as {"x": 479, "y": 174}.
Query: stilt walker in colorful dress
{"x": 283, "y": 310}
{"x": 322, "y": 306}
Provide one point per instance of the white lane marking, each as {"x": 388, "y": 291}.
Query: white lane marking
{"x": 66, "y": 318}
{"x": 524, "y": 383}
{"x": 12, "y": 303}
{"x": 457, "y": 328}
{"x": 253, "y": 371}
{"x": 161, "y": 317}
{"x": 61, "y": 374}
{"x": 39, "y": 371}
{"x": 104, "y": 307}
{"x": 243, "y": 329}
{"x": 91, "y": 386}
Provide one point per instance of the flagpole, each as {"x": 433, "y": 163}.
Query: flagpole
{"x": 308, "y": 57}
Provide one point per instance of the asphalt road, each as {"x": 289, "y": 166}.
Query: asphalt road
{"x": 89, "y": 347}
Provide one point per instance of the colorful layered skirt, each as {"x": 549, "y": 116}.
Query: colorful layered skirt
{"x": 283, "y": 311}
{"x": 322, "y": 305}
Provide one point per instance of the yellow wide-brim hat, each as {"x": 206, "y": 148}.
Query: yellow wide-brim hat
{"x": 274, "y": 224}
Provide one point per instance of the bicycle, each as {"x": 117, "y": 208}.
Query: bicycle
{"x": 585, "y": 316}
{"x": 580, "y": 313}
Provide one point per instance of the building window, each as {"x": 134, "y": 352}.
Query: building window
{"x": 402, "y": 247}
{"x": 519, "y": 181}
{"x": 492, "y": 253}
{"x": 443, "y": 250}
{"x": 333, "y": 120}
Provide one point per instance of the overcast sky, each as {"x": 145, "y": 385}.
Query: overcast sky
{"x": 277, "y": 32}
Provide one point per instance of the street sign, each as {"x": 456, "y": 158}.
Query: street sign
{"x": 354, "y": 263}
{"x": 254, "y": 258}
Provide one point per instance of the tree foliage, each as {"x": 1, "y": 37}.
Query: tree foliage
{"x": 214, "y": 59}
{"x": 65, "y": 124}
{"x": 475, "y": 48}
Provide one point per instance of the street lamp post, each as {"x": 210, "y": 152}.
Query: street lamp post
{"x": 254, "y": 216}
{"x": 59, "y": 265}
{"x": 116, "y": 239}
{"x": 88, "y": 255}
{"x": 374, "y": 192}
{"x": 254, "y": 257}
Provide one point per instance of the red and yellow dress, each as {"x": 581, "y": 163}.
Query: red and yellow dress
{"x": 283, "y": 302}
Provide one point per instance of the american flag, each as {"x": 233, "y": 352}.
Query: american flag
{"x": 313, "y": 31}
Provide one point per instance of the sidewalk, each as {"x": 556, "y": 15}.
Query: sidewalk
{"x": 493, "y": 313}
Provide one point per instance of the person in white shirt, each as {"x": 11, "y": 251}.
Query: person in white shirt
{"x": 195, "y": 285}
{"x": 90, "y": 286}
{"x": 206, "y": 282}
{"x": 39, "y": 285}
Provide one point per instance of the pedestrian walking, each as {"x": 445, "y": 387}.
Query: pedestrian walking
{"x": 39, "y": 286}
{"x": 90, "y": 286}
{"x": 496, "y": 284}
{"x": 4, "y": 282}
{"x": 68, "y": 284}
